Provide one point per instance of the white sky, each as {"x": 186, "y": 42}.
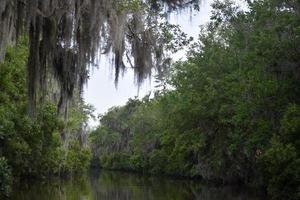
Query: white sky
{"x": 101, "y": 91}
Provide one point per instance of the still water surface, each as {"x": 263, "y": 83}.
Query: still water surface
{"x": 111, "y": 185}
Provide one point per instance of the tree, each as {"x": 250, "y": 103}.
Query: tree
{"x": 66, "y": 36}
{"x": 232, "y": 115}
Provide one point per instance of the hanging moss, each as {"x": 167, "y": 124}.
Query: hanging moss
{"x": 66, "y": 35}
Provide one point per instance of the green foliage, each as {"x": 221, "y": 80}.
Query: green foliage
{"x": 116, "y": 161}
{"x": 281, "y": 162}
{"x": 5, "y": 178}
{"x": 77, "y": 158}
{"x": 33, "y": 147}
{"x": 291, "y": 125}
{"x": 281, "y": 166}
{"x": 157, "y": 161}
{"x": 233, "y": 115}
{"x": 128, "y": 5}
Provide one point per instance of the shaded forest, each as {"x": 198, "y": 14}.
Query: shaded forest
{"x": 228, "y": 114}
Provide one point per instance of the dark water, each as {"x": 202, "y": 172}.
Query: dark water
{"x": 126, "y": 186}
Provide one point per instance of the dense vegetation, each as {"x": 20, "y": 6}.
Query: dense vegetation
{"x": 33, "y": 147}
{"x": 233, "y": 113}
{"x": 46, "y": 50}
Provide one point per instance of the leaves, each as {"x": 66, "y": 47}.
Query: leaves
{"x": 232, "y": 114}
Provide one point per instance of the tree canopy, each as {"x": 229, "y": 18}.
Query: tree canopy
{"x": 233, "y": 113}
{"x": 66, "y": 36}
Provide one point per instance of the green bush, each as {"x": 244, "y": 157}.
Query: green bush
{"x": 77, "y": 158}
{"x": 115, "y": 161}
{"x": 157, "y": 161}
{"x": 138, "y": 161}
{"x": 281, "y": 167}
{"x": 281, "y": 162}
{"x": 5, "y": 178}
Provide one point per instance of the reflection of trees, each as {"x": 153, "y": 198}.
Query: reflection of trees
{"x": 125, "y": 186}
{"x": 113, "y": 185}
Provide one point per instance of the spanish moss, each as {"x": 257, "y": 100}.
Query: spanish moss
{"x": 66, "y": 36}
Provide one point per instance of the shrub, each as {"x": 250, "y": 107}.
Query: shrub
{"x": 77, "y": 159}
{"x": 5, "y": 178}
{"x": 281, "y": 167}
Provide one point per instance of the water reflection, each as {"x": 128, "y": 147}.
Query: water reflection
{"x": 125, "y": 186}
